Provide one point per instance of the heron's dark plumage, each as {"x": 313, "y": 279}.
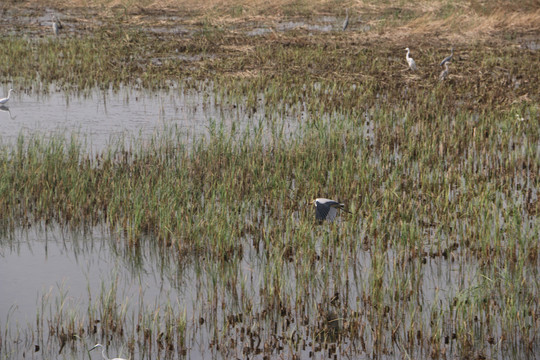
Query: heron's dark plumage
{"x": 346, "y": 22}
{"x": 448, "y": 58}
{"x": 326, "y": 209}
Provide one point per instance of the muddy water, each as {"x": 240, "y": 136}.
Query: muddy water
{"x": 49, "y": 275}
{"x": 101, "y": 118}
{"x": 38, "y": 265}
{"x": 55, "y": 274}
{"x": 98, "y": 117}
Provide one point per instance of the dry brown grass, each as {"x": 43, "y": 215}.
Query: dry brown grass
{"x": 446, "y": 20}
{"x": 249, "y": 7}
{"x": 279, "y": 7}
{"x": 471, "y": 25}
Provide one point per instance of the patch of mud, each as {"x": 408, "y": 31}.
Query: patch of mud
{"x": 179, "y": 30}
{"x": 259, "y": 32}
{"x": 531, "y": 45}
{"x": 299, "y": 25}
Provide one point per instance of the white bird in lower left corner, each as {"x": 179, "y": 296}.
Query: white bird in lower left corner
{"x": 6, "y": 99}
{"x": 103, "y": 352}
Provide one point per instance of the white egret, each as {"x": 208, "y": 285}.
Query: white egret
{"x": 56, "y": 25}
{"x": 103, "y": 352}
{"x": 326, "y": 209}
{"x": 410, "y": 60}
{"x": 6, "y": 99}
{"x": 346, "y": 22}
{"x": 448, "y": 58}
{"x": 444, "y": 73}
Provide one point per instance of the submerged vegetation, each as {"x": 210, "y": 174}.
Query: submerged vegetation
{"x": 438, "y": 258}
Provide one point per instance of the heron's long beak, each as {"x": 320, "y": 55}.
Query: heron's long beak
{"x": 343, "y": 208}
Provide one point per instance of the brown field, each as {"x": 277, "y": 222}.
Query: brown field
{"x": 453, "y": 20}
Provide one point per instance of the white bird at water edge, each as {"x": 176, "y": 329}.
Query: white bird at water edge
{"x": 103, "y": 352}
{"x": 56, "y": 25}
{"x": 6, "y": 99}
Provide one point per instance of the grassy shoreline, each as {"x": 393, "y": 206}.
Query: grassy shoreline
{"x": 100, "y": 47}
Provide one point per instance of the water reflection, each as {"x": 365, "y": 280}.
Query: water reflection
{"x": 54, "y": 278}
{"x": 56, "y": 260}
{"x": 62, "y": 276}
{"x": 6, "y": 109}
{"x": 102, "y": 117}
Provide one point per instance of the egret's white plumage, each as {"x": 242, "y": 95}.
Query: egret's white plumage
{"x": 444, "y": 73}
{"x": 326, "y": 209}
{"x": 6, "y": 99}
{"x": 448, "y": 58}
{"x": 410, "y": 60}
{"x": 103, "y": 352}
{"x": 56, "y": 25}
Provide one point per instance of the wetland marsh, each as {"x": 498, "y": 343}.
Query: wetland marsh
{"x": 158, "y": 159}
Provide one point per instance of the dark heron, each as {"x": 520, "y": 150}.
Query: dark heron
{"x": 444, "y": 73}
{"x": 448, "y": 58}
{"x": 346, "y": 22}
{"x": 326, "y": 209}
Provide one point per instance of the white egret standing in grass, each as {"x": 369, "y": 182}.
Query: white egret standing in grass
{"x": 346, "y": 22}
{"x": 103, "y": 352}
{"x": 444, "y": 73}
{"x": 448, "y": 58}
{"x": 410, "y": 60}
{"x": 56, "y": 25}
{"x": 326, "y": 209}
{"x": 6, "y": 99}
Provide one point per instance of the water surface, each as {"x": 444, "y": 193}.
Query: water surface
{"x": 100, "y": 118}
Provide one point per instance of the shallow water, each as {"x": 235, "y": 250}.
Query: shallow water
{"x": 38, "y": 262}
{"x": 51, "y": 277}
{"x": 54, "y": 274}
{"x": 100, "y": 118}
